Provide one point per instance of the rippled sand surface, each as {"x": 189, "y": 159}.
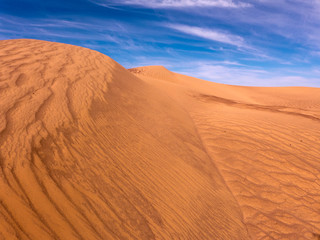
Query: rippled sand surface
{"x": 90, "y": 150}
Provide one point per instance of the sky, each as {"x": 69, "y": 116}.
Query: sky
{"x": 239, "y": 42}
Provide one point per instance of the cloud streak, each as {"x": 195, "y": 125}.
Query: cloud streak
{"x": 210, "y": 34}
{"x": 178, "y": 3}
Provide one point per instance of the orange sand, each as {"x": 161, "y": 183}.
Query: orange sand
{"x": 90, "y": 150}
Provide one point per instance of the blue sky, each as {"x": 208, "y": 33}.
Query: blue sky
{"x": 241, "y": 42}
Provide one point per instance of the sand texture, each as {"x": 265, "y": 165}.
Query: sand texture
{"x": 90, "y": 150}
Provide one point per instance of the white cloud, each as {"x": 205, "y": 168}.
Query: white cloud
{"x": 244, "y": 76}
{"x": 211, "y": 34}
{"x": 179, "y": 3}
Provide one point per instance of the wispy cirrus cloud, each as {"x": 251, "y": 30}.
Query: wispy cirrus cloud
{"x": 245, "y": 42}
{"x": 214, "y": 35}
{"x": 177, "y": 3}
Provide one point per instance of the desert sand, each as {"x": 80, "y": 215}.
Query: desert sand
{"x": 91, "y": 150}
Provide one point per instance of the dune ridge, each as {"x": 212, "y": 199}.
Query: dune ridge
{"x": 91, "y": 150}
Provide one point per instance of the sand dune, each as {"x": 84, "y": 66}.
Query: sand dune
{"x": 90, "y": 150}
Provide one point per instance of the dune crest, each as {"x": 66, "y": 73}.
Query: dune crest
{"x": 90, "y": 151}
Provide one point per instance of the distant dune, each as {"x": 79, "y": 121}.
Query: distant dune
{"x": 90, "y": 150}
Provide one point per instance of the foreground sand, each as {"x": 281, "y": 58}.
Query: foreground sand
{"x": 90, "y": 150}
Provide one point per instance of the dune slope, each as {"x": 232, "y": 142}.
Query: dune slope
{"x": 266, "y": 145}
{"x": 90, "y": 151}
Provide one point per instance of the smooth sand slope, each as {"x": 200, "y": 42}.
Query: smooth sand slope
{"x": 90, "y": 150}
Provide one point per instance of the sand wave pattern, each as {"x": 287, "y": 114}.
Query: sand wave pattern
{"x": 90, "y": 150}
